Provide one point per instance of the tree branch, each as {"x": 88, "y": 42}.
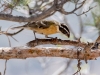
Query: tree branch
{"x": 24, "y": 52}
{"x": 25, "y": 19}
{"x": 43, "y": 15}
{"x": 82, "y": 51}
{"x": 56, "y": 41}
{"x": 57, "y": 6}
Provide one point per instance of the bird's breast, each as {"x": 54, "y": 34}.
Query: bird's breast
{"x": 47, "y": 31}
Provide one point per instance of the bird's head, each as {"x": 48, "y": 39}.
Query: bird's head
{"x": 64, "y": 29}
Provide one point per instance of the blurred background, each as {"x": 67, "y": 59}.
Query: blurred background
{"x": 86, "y": 26}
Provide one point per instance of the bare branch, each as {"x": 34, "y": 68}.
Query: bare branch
{"x": 25, "y": 19}
{"x": 9, "y": 41}
{"x": 56, "y": 41}
{"x": 39, "y": 7}
{"x": 43, "y": 15}
{"x": 5, "y": 67}
{"x": 78, "y": 64}
{"x": 8, "y": 7}
{"x": 10, "y": 34}
{"x": 26, "y": 52}
{"x": 75, "y": 9}
{"x": 85, "y": 50}
{"x": 57, "y": 6}
{"x": 90, "y": 8}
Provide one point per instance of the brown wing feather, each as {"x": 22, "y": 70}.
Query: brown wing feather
{"x": 37, "y": 24}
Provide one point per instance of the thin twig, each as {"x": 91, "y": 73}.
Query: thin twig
{"x": 90, "y": 8}
{"x": 5, "y": 67}
{"x": 10, "y": 34}
{"x": 9, "y": 41}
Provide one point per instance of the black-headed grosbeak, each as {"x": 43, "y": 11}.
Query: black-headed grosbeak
{"x": 46, "y": 27}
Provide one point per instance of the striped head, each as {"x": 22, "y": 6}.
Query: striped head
{"x": 64, "y": 29}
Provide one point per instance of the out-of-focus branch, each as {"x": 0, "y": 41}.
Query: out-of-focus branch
{"x": 10, "y": 34}
{"x": 25, "y": 19}
{"x": 75, "y": 9}
{"x": 90, "y": 8}
{"x": 43, "y": 15}
{"x": 57, "y": 6}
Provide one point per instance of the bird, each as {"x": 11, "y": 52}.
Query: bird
{"x": 46, "y": 27}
